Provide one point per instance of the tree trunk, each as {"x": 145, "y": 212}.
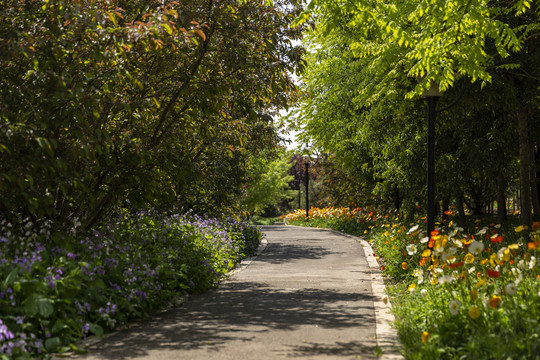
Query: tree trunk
{"x": 524, "y": 165}
{"x": 501, "y": 199}
{"x": 537, "y": 175}
{"x": 445, "y": 207}
{"x": 397, "y": 199}
{"x": 534, "y": 185}
{"x": 461, "y": 212}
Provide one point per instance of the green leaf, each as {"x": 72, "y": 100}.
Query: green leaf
{"x": 38, "y": 305}
{"x": 167, "y": 28}
{"x": 52, "y": 344}
{"x": 58, "y": 327}
{"x": 96, "y": 330}
{"x": 29, "y": 286}
{"x": 12, "y": 276}
{"x": 78, "y": 350}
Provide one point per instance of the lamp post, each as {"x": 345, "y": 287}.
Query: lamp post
{"x": 307, "y": 189}
{"x": 431, "y": 95}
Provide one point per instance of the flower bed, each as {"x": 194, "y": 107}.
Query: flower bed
{"x": 468, "y": 296}
{"x": 57, "y": 288}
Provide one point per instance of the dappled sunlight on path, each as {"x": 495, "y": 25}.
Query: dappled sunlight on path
{"x": 307, "y": 296}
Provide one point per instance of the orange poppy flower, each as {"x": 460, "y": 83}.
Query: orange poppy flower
{"x": 496, "y": 239}
{"x": 495, "y": 301}
{"x": 492, "y": 273}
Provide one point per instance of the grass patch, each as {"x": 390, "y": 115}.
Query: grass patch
{"x": 259, "y": 220}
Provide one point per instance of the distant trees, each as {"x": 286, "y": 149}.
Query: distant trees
{"x": 138, "y": 103}
{"x": 270, "y": 186}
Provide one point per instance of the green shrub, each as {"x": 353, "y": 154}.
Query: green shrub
{"x": 57, "y": 288}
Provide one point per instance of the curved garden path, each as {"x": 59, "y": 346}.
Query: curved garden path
{"x": 309, "y": 294}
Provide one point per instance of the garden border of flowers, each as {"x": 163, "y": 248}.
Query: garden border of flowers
{"x": 458, "y": 287}
{"x": 62, "y": 287}
{"x": 93, "y": 340}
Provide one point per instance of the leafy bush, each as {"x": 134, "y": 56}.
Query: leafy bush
{"x": 58, "y": 288}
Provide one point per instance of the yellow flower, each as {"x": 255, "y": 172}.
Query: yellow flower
{"x": 469, "y": 258}
{"x": 481, "y": 282}
{"x": 425, "y": 336}
{"x": 520, "y": 228}
{"x": 474, "y": 312}
{"x": 494, "y": 259}
{"x": 412, "y": 287}
{"x": 440, "y": 241}
{"x": 506, "y": 255}
{"x": 426, "y": 253}
{"x": 404, "y": 266}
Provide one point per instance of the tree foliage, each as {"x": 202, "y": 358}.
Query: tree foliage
{"x": 369, "y": 61}
{"x": 270, "y": 185}
{"x": 434, "y": 41}
{"x": 107, "y": 103}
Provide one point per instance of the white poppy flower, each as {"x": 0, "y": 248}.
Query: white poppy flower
{"x": 510, "y": 289}
{"x": 445, "y": 279}
{"x": 482, "y": 231}
{"x": 411, "y": 249}
{"x": 476, "y": 247}
{"x": 414, "y": 228}
{"x": 454, "y": 306}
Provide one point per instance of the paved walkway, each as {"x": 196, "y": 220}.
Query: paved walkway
{"x": 308, "y": 295}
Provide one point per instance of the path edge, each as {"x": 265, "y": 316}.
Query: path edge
{"x": 387, "y": 336}
{"x": 94, "y": 340}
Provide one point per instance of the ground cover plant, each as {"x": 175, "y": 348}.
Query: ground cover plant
{"x": 455, "y": 294}
{"x": 57, "y": 288}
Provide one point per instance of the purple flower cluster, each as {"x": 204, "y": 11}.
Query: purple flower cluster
{"x": 112, "y": 274}
{"x": 9, "y": 343}
{"x": 5, "y": 334}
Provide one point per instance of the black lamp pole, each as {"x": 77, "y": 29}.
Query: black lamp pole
{"x": 307, "y": 190}
{"x": 431, "y": 111}
{"x": 431, "y": 95}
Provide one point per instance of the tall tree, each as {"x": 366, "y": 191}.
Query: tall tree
{"x": 436, "y": 43}
{"x": 105, "y": 103}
